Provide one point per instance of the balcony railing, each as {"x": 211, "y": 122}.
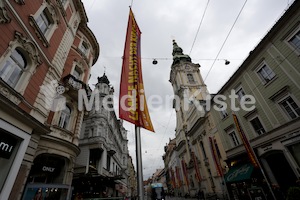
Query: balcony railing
{"x": 73, "y": 83}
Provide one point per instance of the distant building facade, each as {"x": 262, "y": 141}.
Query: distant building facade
{"x": 103, "y": 159}
{"x": 132, "y": 179}
{"x": 46, "y": 55}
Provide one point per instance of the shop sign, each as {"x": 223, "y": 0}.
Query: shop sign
{"x": 48, "y": 169}
{"x": 241, "y": 173}
{"x": 7, "y": 145}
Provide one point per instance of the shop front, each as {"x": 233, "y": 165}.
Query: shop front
{"x": 245, "y": 182}
{"x": 46, "y": 179}
{"x": 13, "y": 145}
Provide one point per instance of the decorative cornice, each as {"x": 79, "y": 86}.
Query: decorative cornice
{"x": 4, "y": 18}
{"x": 29, "y": 46}
{"x": 21, "y": 2}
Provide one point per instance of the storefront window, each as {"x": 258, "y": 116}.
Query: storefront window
{"x": 9, "y": 145}
{"x": 46, "y": 191}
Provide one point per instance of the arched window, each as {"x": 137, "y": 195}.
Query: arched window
{"x": 190, "y": 78}
{"x": 13, "y": 68}
{"x": 65, "y": 118}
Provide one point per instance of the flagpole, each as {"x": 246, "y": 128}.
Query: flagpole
{"x": 139, "y": 163}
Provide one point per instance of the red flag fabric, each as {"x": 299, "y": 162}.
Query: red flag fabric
{"x": 198, "y": 176}
{"x": 215, "y": 157}
{"x": 179, "y": 181}
{"x": 183, "y": 164}
{"x": 246, "y": 143}
{"x": 132, "y": 103}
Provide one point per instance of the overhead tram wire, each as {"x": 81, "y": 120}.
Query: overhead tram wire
{"x": 225, "y": 40}
{"x": 199, "y": 26}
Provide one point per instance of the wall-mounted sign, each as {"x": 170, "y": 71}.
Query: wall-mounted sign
{"x": 48, "y": 169}
{"x": 7, "y": 144}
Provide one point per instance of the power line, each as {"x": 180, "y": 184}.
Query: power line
{"x": 199, "y": 26}
{"x": 225, "y": 39}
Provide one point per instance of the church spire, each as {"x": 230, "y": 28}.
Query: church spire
{"x": 178, "y": 54}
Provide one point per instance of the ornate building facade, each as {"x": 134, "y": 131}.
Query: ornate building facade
{"x": 101, "y": 167}
{"x": 46, "y": 54}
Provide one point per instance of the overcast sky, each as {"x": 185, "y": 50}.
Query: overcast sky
{"x": 161, "y": 21}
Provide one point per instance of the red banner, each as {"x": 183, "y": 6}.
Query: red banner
{"x": 172, "y": 177}
{"x": 179, "y": 181}
{"x": 198, "y": 176}
{"x": 215, "y": 157}
{"x": 132, "y": 103}
{"x": 246, "y": 143}
{"x": 183, "y": 164}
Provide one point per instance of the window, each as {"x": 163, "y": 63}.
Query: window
{"x": 43, "y": 21}
{"x": 234, "y": 139}
{"x": 266, "y": 74}
{"x": 203, "y": 149}
{"x": 190, "y": 78}
{"x": 84, "y": 48}
{"x": 223, "y": 112}
{"x": 259, "y": 129}
{"x": 77, "y": 73}
{"x": 108, "y": 163}
{"x": 13, "y": 68}
{"x": 95, "y": 155}
{"x": 295, "y": 41}
{"x": 63, "y": 2}
{"x": 290, "y": 107}
{"x": 240, "y": 93}
{"x": 65, "y": 118}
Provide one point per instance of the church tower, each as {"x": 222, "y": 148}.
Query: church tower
{"x": 189, "y": 88}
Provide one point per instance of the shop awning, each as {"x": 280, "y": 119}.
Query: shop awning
{"x": 239, "y": 173}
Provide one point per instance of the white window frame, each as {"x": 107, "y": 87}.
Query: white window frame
{"x": 13, "y": 68}
{"x": 44, "y": 20}
{"x": 257, "y": 117}
{"x": 233, "y": 137}
{"x": 223, "y": 112}
{"x": 290, "y": 44}
{"x": 83, "y": 49}
{"x": 31, "y": 56}
{"x": 263, "y": 78}
{"x": 53, "y": 17}
{"x": 238, "y": 93}
{"x": 293, "y": 110}
{"x": 65, "y": 117}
